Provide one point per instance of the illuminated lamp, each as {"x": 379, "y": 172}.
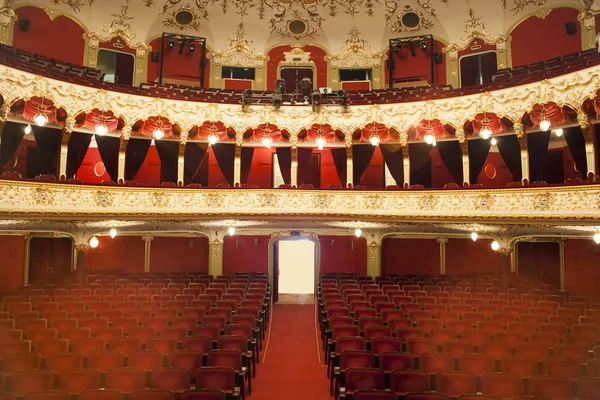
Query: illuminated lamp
{"x": 495, "y": 245}
{"x": 113, "y": 233}
{"x": 158, "y": 132}
{"x": 231, "y": 231}
{"x": 94, "y": 242}
{"x": 545, "y": 122}
{"x": 320, "y": 142}
{"x": 494, "y": 141}
{"x": 558, "y": 132}
{"x": 474, "y": 236}
{"x": 374, "y": 140}
{"x": 213, "y": 139}
{"x": 358, "y": 232}
{"x": 27, "y": 129}
{"x": 597, "y": 237}
{"x": 267, "y": 141}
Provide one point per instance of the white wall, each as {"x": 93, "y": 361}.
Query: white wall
{"x": 296, "y": 266}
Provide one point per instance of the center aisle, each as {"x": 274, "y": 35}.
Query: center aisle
{"x": 291, "y": 369}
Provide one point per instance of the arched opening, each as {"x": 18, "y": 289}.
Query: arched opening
{"x": 49, "y": 259}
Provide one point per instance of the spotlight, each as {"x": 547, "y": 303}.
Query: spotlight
{"x": 320, "y": 142}
{"x": 171, "y": 43}
{"x": 545, "y": 124}
{"x": 101, "y": 129}
{"x": 316, "y": 100}
{"x": 40, "y": 119}
{"x": 267, "y": 142}
{"x": 474, "y": 236}
{"x": 279, "y": 86}
{"x": 357, "y": 232}
{"x": 495, "y": 245}
{"x": 306, "y": 86}
{"x": 247, "y": 93}
{"x": 277, "y": 100}
{"x": 213, "y": 139}
{"x": 94, "y": 242}
{"x": 558, "y": 132}
{"x": 374, "y": 140}
{"x": 113, "y": 233}
{"x": 423, "y": 45}
{"x": 429, "y": 138}
{"x": 494, "y": 141}
{"x": 27, "y": 129}
{"x": 158, "y": 133}
{"x": 396, "y": 48}
{"x": 231, "y": 231}
{"x": 597, "y": 237}
{"x": 485, "y": 132}
{"x": 193, "y": 47}
{"x": 344, "y": 95}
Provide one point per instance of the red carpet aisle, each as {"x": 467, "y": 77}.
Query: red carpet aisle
{"x": 291, "y": 369}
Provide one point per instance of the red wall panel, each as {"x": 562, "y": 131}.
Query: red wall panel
{"x": 12, "y": 253}
{"x": 343, "y": 254}
{"x": 187, "y": 63}
{"x": 503, "y": 174}
{"x": 410, "y": 256}
{"x": 179, "y": 254}
{"x": 86, "y": 170}
{"x": 408, "y": 66}
{"x": 123, "y": 254}
{"x": 61, "y": 38}
{"x": 528, "y": 46}
{"x": 582, "y": 272}
{"x": 245, "y": 254}
{"x": 329, "y": 175}
{"x": 276, "y": 56}
{"x": 374, "y": 175}
{"x": 149, "y": 173}
{"x": 439, "y": 173}
{"x": 262, "y": 167}
{"x": 215, "y": 176}
{"x": 463, "y": 256}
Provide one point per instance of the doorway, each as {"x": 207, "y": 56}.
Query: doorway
{"x": 478, "y": 69}
{"x": 293, "y": 77}
{"x": 117, "y": 67}
{"x": 541, "y": 261}
{"x": 50, "y": 259}
{"x": 295, "y": 271}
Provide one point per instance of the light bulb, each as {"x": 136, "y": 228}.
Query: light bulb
{"x": 101, "y": 129}
{"x": 113, "y": 233}
{"x": 429, "y": 138}
{"x": 267, "y": 141}
{"x": 213, "y": 139}
{"x": 474, "y": 236}
{"x": 495, "y": 245}
{"x": 94, "y": 242}
{"x": 357, "y": 232}
{"x": 558, "y": 132}
{"x": 321, "y": 142}
{"x": 27, "y": 129}
{"x": 40, "y": 119}
{"x": 231, "y": 231}
{"x": 494, "y": 141}
{"x": 485, "y": 132}
{"x": 374, "y": 140}
{"x": 158, "y": 133}
{"x": 545, "y": 124}
{"x": 597, "y": 237}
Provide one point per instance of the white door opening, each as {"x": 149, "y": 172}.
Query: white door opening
{"x": 296, "y": 267}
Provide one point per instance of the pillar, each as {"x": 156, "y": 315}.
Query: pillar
{"x": 7, "y": 22}
{"x": 561, "y": 259}
{"x": 406, "y": 165}
{"x": 237, "y": 166}
{"x": 442, "y": 242}
{"x": 349, "y": 167}
{"x": 587, "y": 131}
{"x": 126, "y": 131}
{"x": 464, "y": 147}
{"x": 506, "y": 255}
{"x": 452, "y": 67}
{"x": 181, "y": 165}
{"x": 519, "y": 131}
{"x": 588, "y": 29}
{"x": 374, "y": 258}
{"x": 79, "y": 261}
{"x": 4, "y": 111}
{"x": 64, "y": 148}
{"x": 147, "y": 242}
{"x": 294, "y": 170}
{"x": 215, "y": 257}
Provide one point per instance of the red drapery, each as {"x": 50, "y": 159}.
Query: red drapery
{"x": 35, "y": 105}
{"x": 494, "y": 123}
{"x": 152, "y": 123}
{"x": 375, "y": 128}
{"x": 209, "y": 127}
{"x": 436, "y": 127}
{"x": 96, "y": 117}
{"x": 553, "y": 112}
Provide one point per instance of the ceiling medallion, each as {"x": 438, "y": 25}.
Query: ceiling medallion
{"x": 519, "y": 5}
{"x": 184, "y": 18}
{"x": 410, "y": 20}
{"x": 303, "y": 22}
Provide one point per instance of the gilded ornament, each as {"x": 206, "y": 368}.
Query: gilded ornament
{"x": 543, "y": 201}
{"x": 43, "y": 196}
{"x": 428, "y": 202}
{"x": 103, "y": 198}
{"x": 483, "y": 202}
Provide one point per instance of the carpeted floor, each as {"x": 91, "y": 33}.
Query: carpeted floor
{"x": 292, "y": 369}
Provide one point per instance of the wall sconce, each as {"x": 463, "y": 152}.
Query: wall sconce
{"x": 256, "y": 242}
{"x": 331, "y": 242}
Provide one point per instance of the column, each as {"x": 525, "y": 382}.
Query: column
{"x": 237, "y": 166}
{"x": 147, "y": 241}
{"x": 215, "y": 257}
{"x": 4, "y": 111}
{"x": 349, "y": 167}
{"x": 406, "y": 164}
{"x": 79, "y": 261}
{"x": 181, "y": 165}
{"x": 7, "y": 22}
{"x": 294, "y": 170}
{"x": 374, "y": 258}
{"x": 588, "y": 29}
{"x": 519, "y": 131}
{"x": 561, "y": 255}
{"x": 442, "y": 242}
{"x": 64, "y": 148}
{"x": 506, "y": 255}
{"x": 126, "y": 131}
{"x": 587, "y": 131}
{"x": 464, "y": 147}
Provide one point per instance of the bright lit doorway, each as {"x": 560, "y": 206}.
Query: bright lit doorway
{"x": 296, "y": 269}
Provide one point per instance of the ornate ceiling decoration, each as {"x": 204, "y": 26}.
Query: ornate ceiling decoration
{"x": 519, "y": 5}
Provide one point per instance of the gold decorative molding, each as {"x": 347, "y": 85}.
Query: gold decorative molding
{"x": 356, "y": 53}
{"x": 568, "y": 204}
{"x": 7, "y": 24}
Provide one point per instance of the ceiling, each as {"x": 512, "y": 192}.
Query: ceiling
{"x": 324, "y": 22}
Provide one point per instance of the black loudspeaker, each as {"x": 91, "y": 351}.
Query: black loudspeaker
{"x": 155, "y": 56}
{"x": 437, "y": 57}
{"x": 390, "y": 63}
{"x": 23, "y": 25}
{"x": 571, "y": 28}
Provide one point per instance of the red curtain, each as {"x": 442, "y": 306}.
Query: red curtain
{"x": 48, "y": 142}
{"x": 284, "y": 157}
{"x": 510, "y": 150}
{"x": 78, "y": 146}
{"x": 108, "y": 147}
{"x": 576, "y": 143}
{"x": 304, "y": 155}
{"x": 339, "y": 159}
{"x": 361, "y": 158}
{"x": 246, "y": 164}
{"x": 394, "y": 159}
{"x": 420, "y": 164}
{"x": 478, "y": 152}
{"x": 537, "y": 145}
{"x": 451, "y": 154}
{"x": 168, "y": 152}
{"x": 11, "y": 138}
{"x": 225, "y": 155}
{"x": 135, "y": 154}
{"x": 194, "y": 155}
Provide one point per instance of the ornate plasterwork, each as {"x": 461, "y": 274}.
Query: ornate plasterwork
{"x": 356, "y": 53}
{"x": 240, "y": 54}
{"x": 398, "y": 26}
{"x": 571, "y": 90}
{"x": 32, "y": 199}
